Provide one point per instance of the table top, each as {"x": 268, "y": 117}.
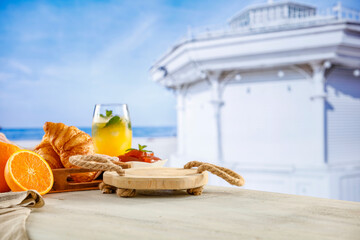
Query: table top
{"x": 219, "y": 213}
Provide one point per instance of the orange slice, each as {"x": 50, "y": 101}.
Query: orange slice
{"x": 27, "y": 170}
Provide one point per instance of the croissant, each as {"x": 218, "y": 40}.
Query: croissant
{"x": 45, "y": 150}
{"x": 68, "y": 141}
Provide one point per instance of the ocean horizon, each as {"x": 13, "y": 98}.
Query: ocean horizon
{"x": 15, "y": 134}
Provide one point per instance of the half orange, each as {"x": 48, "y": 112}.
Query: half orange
{"x": 27, "y": 170}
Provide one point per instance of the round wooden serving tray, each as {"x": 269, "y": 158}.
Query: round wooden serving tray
{"x": 156, "y": 179}
{"x": 127, "y": 182}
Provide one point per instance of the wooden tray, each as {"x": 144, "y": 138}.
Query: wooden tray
{"x": 63, "y": 184}
{"x": 157, "y": 179}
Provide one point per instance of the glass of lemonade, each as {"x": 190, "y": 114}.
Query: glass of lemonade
{"x": 111, "y": 129}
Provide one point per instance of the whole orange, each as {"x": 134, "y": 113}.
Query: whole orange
{"x": 6, "y": 150}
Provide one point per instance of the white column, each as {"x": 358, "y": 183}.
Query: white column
{"x": 339, "y": 10}
{"x": 217, "y": 103}
{"x": 318, "y": 99}
{"x": 181, "y": 129}
{"x": 318, "y": 77}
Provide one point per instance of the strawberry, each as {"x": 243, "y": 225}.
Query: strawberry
{"x": 140, "y": 155}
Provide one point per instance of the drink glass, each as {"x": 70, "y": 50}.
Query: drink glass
{"x": 111, "y": 129}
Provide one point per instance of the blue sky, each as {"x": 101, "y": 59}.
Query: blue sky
{"x": 59, "y": 58}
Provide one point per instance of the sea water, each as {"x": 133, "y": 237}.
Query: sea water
{"x": 14, "y": 134}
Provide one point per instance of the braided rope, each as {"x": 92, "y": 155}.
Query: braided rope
{"x": 225, "y": 173}
{"x": 106, "y": 189}
{"x": 195, "y": 191}
{"x": 97, "y": 162}
{"x": 122, "y": 192}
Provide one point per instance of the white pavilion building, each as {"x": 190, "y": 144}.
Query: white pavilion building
{"x": 274, "y": 96}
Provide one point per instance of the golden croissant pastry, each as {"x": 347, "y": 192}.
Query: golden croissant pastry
{"x": 45, "y": 150}
{"x": 69, "y": 141}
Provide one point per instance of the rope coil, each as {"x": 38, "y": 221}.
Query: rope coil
{"x": 228, "y": 175}
{"x": 97, "y": 162}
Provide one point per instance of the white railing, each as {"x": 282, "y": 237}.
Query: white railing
{"x": 346, "y": 13}
{"x": 338, "y": 12}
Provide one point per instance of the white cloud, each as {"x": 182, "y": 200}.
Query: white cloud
{"x": 17, "y": 65}
{"x": 4, "y": 76}
{"x": 116, "y": 49}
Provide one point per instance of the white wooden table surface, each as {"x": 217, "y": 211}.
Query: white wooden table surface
{"x": 220, "y": 213}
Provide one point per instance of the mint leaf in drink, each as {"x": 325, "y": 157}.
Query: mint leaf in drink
{"x": 108, "y": 113}
{"x": 113, "y": 120}
{"x": 129, "y": 125}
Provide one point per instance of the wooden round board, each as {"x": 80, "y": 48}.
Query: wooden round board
{"x": 156, "y": 179}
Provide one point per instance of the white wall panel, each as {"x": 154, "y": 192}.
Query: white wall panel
{"x": 343, "y": 118}
{"x": 350, "y": 188}
{"x": 200, "y": 138}
{"x": 271, "y": 123}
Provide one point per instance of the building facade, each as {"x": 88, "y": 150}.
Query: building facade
{"x": 275, "y": 96}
